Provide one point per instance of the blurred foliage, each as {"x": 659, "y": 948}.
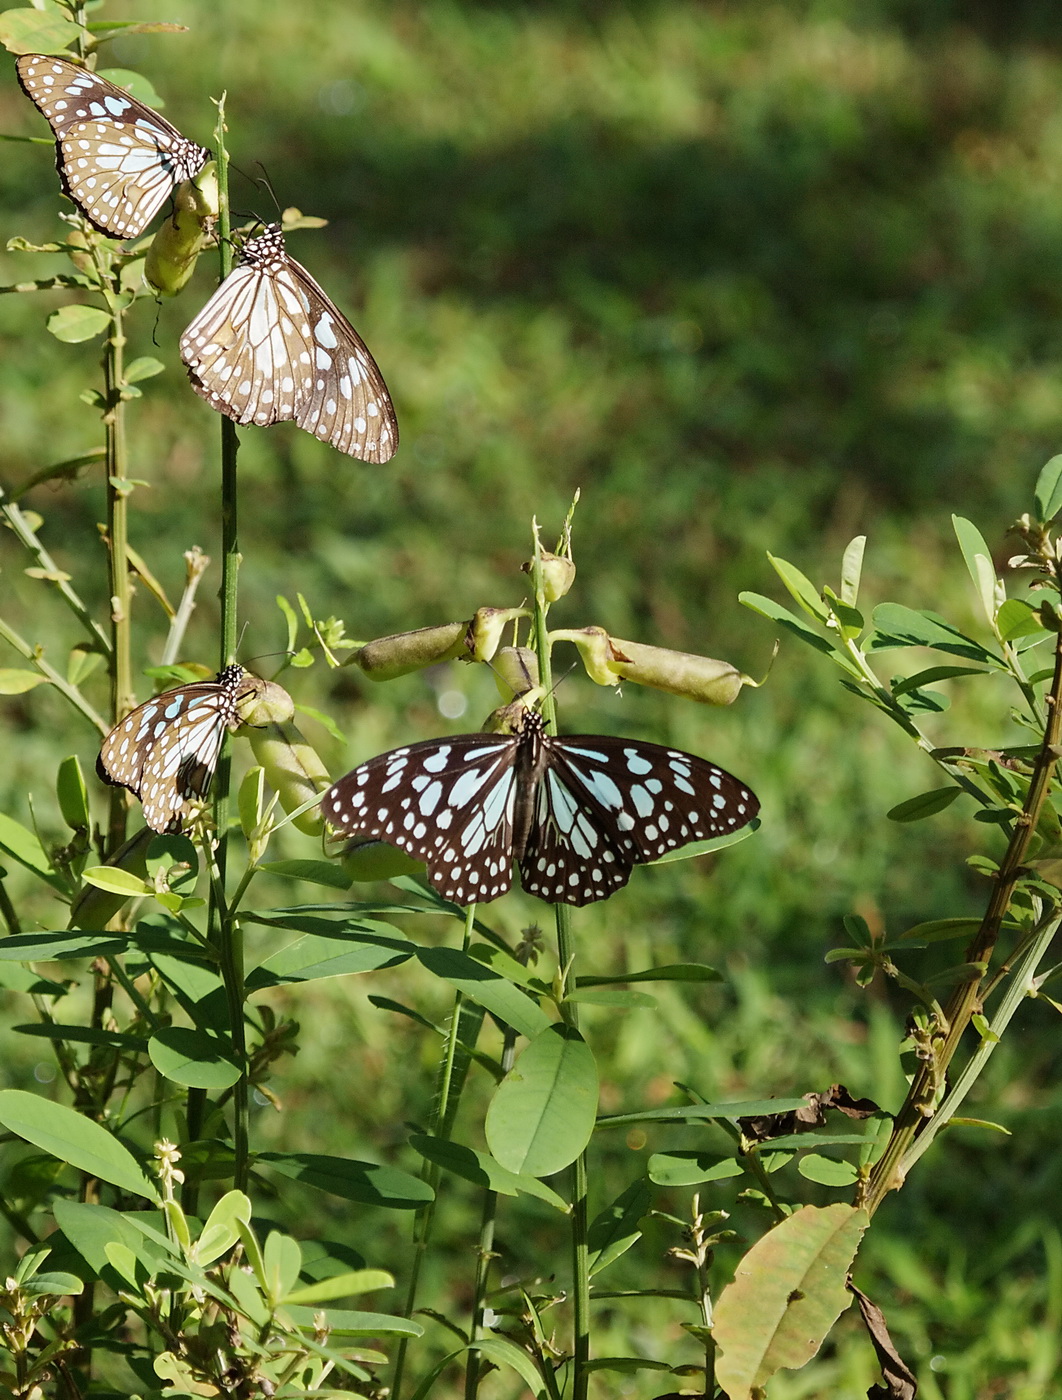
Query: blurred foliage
{"x": 750, "y": 276}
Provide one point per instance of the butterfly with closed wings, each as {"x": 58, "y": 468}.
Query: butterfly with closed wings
{"x": 166, "y": 750}
{"x": 118, "y": 160}
{"x": 271, "y": 347}
{"x": 577, "y": 813}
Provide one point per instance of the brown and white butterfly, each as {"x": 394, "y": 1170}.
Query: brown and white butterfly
{"x": 271, "y": 347}
{"x": 118, "y": 160}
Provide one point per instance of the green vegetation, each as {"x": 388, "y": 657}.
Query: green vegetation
{"x": 751, "y": 278}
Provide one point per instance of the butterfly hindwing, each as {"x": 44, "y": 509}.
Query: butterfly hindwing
{"x": 447, "y": 802}
{"x": 571, "y": 857}
{"x": 118, "y": 160}
{"x": 271, "y": 347}
{"x": 166, "y": 750}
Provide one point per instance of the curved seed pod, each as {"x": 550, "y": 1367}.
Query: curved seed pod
{"x": 515, "y": 670}
{"x": 597, "y": 651}
{"x": 185, "y": 233}
{"x": 398, "y": 655}
{"x": 558, "y": 574}
{"x": 679, "y": 672}
{"x": 264, "y": 702}
{"x": 293, "y": 770}
{"x": 486, "y": 628}
{"x": 376, "y": 860}
{"x": 95, "y": 908}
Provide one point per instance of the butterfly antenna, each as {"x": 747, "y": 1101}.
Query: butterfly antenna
{"x": 264, "y": 181}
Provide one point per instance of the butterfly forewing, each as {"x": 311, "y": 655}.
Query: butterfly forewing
{"x": 446, "y": 802}
{"x": 118, "y": 160}
{"x": 166, "y": 750}
{"x": 271, "y": 347}
{"x": 595, "y": 807}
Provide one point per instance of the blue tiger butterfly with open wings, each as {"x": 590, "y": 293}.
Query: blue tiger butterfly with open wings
{"x": 118, "y": 160}
{"x": 166, "y": 750}
{"x": 577, "y": 812}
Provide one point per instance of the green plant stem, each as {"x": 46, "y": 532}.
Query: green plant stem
{"x": 566, "y": 956}
{"x": 966, "y": 999}
{"x": 424, "y": 1219}
{"x": 71, "y": 692}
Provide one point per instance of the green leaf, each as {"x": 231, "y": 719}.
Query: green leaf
{"x": 145, "y": 367}
{"x": 827, "y": 1171}
{"x": 1018, "y": 619}
{"x": 282, "y": 1262}
{"x": 56, "y": 947}
{"x": 852, "y": 569}
{"x": 364, "y": 1182}
{"x": 348, "y": 1285}
{"x": 16, "y": 682}
{"x": 714, "y": 843}
{"x": 788, "y": 1291}
{"x": 115, "y": 881}
{"x": 692, "y": 1113}
{"x": 607, "y": 996}
{"x": 690, "y": 1168}
{"x": 23, "y": 846}
{"x": 800, "y": 588}
{"x": 627, "y": 1365}
{"x": 926, "y": 804}
{"x": 90, "y": 1228}
{"x": 934, "y": 673}
{"x": 36, "y": 31}
{"x": 978, "y": 563}
{"x": 542, "y": 1114}
{"x": 1048, "y": 494}
{"x": 326, "y": 721}
{"x": 315, "y": 872}
{"x": 222, "y": 1228}
{"x": 314, "y": 956}
{"x": 616, "y": 1228}
{"x": 194, "y": 1057}
{"x": 72, "y": 793}
{"x": 670, "y": 972}
{"x": 508, "y": 1003}
{"x": 73, "y": 324}
{"x": 291, "y": 620}
{"x": 53, "y": 1285}
{"x": 72, "y": 1138}
{"x": 940, "y": 930}
{"x": 768, "y": 608}
{"x": 898, "y": 626}
{"x": 343, "y": 1322}
{"x": 482, "y": 1170}
{"x": 82, "y": 1035}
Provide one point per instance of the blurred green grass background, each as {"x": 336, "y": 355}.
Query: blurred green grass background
{"x": 751, "y": 277}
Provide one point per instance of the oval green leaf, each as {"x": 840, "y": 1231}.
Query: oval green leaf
{"x": 487, "y": 987}
{"x": 193, "y": 1057}
{"x": 364, "y": 1182}
{"x": 74, "y": 1139}
{"x": 115, "y": 881}
{"x": 16, "y": 682}
{"x": 827, "y": 1171}
{"x": 73, "y": 324}
{"x": 542, "y": 1113}
{"x": 926, "y": 804}
{"x": 34, "y": 31}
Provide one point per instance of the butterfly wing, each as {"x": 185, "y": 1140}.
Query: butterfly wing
{"x": 271, "y": 347}
{"x": 605, "y": 804}
{"x": 117, "y": 159}
{"x": 447, "y": 802}
{"x": 166, "y": 750}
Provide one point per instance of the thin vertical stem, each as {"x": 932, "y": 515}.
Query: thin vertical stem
{"x": 117, "y": 472}
{"x": 566, "y": 956}
{"x": 424, "y": 1219}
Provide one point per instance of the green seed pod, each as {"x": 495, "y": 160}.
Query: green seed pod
{"x": 376, "y": 860}
{"x": 596, "y": 651}
{"x": 509, "y": 719}
{"x": 515, "y": 670}
{"x": 175, "y": 248}
{"x": 558, "y": 574}
{"x": 95, "y": 908}
{"x": 293, "y": 770}
{"x": 486, "y": 628}
{"x": 388, "y": 657}
{"x": 679, "y": 672}
{"x": 264, "y": 702}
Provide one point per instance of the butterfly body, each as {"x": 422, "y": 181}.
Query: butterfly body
{"x": 118, "y": 160}
{"x": 166, "y": 750}
{"x": 271, "y": 347}
{"x": 577, "y": 813}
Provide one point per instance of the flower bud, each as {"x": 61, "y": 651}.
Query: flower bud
{"x": 293, "y": 770}
{"x": 486, "y": 628}
{"x": 388, "y": 657}
{"x": 175, "y": 248}
{"x": 558, "y": 574}
{"x": 95, "y": 908}
{"x": 376, "y": 860}
{"x": 679, "y": 672}
{"x": 264, "y": 702}
{"x": 515, "y": 670}
{"x": 597, "y": 651}
{"x": 82, "y": 261}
